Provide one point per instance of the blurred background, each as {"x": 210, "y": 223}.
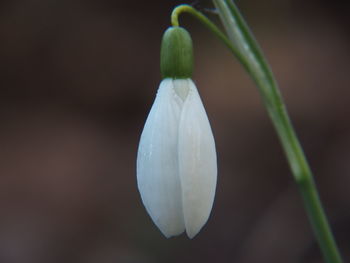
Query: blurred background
{"x": 77, "y": 80}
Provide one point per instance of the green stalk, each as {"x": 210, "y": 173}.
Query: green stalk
{"x": 207, "y": 23}
{"x": 242, "y": 44}
{"x": 212, "y": 27}
{"x": 240, "y": 36}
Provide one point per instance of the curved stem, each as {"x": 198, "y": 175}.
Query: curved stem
{"x": 243, "y": 40}
{"x": 210, "y": 25}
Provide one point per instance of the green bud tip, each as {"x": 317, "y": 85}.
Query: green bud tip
{"x": 176, "y": 54}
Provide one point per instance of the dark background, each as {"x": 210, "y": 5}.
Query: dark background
{"x": 77, "y": 80}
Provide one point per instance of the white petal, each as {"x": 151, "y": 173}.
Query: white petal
{"x": 157, "y": 162}
{"x": 197, "y": 162}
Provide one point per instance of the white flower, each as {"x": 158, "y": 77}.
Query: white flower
{"x": 176, "y": 161}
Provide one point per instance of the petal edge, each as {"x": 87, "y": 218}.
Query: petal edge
{"x": 157, "y": 163}
{"x": 197, "y": 162}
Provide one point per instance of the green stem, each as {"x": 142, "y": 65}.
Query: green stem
{"x": 243, "y": 40}
{"x": 243, "y": 45}
{"x": 207, "y": 23}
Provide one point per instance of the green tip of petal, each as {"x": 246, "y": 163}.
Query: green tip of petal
{"x": 176, "y": 54}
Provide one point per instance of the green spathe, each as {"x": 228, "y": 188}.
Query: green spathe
{"x": 176, "y": 54}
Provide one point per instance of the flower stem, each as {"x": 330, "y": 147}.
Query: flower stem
{"x": 242, "y": 44}
{"x": 240, "y": 36}
{"x": 207, "y": 23}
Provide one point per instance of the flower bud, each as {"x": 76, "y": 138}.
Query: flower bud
{"x": 176, "y": 54}
{"x": 176, "y": 160}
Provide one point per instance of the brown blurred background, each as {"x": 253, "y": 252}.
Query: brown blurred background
{"x": 77, "y": 80}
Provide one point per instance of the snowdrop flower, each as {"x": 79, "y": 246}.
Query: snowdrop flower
{"x": 176, "y": 161}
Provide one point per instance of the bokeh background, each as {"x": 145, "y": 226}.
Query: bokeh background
{"x": 77, "y": 80}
